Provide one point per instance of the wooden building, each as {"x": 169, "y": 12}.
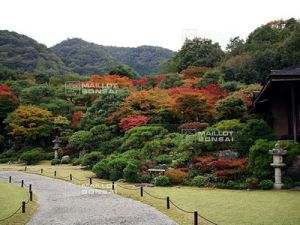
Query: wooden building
{"x": 280, "y": 99}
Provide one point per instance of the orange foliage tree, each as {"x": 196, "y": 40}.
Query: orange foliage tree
{"x": 195, "y": 71}
{"x": 190, "y": 107}
{"x": 76, "y": 118}
{"x": 121, "y": 82}
{"x": 143, "y": 103}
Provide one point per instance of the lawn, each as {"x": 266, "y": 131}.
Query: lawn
{"x": 225, "y": 207}
{"x": 11, "y": 196}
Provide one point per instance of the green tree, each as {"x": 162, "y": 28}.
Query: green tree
{"x": 198, "y": 52}
{"x": 211, "y": 77}
{"x": 231, "y": 107}
{"x": 137, "y": 137}
{"x": 80, "y": 138}
{"x": 170, "y": 81}
{"x": 124, "y": 71}
{"x": 241, "y": 68}
{"x": 101, "y": 108}
{"x": 260, "y": 159}
{"x": 235, "y": 46}
{"x": 37, "y": 94}
{"x": 253, "y": 130}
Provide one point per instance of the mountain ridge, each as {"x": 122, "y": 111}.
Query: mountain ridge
{"x": 21, "y": 53}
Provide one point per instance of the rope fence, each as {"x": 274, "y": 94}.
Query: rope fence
{"x": 22, "y": 208}
{"x": 114, "y": 185}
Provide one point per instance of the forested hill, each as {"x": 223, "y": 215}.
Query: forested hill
{"x": 143, "y": 59}
{"x": 88, "y": 58}
{"x": 23, "y": 54}
{"x": 83, "y": 57}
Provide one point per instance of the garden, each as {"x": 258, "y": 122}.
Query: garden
{"x": 187, "y": 131}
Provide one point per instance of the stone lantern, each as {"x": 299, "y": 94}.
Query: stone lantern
{"x": 277, "y": 153}
{"x": 56, "y": 147}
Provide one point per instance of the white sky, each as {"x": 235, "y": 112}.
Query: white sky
{"x": 140, "y": 22}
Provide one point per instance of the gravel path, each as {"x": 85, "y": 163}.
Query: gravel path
{"x": 63, "y": 203}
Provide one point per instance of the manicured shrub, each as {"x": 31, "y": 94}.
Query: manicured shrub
{"x": 137, "y": 137}
{"x": 243, "y": 185}
{"x": 287, "y": 182}
{"x": 5, "y": 160}
{"x": 266, "y": 184}
{"x": 231, "y": 86}
{"x": 231, "y": 107}
{"x": 193, "y": 173}
{"x": 47, "y": 156}
{"x": 80, "y": 138}
{"x": 76, "y": 161}
{"x": 131, "y": 173}
{"x": 31, "y": 157}
{"x": 237, "y": 185}
{"x": 199, "y": 181}
{"x": 8, "y": 156}
{"x": 229, "y": 125}
{"x": 176, "y": 176}
{"x": 92, "y": 158}
{"x": 230, "y": 169}
{"x": 253, "y": 182}
{"x": 116, "y": 166}
{"x": 162, "y": 181}
{"x": 197, "y": 126}
{"x": 111, "y": 146}
{"x": 163, "y": 159}
{"x": 170, "y": 81}
{"x": 230, "y": 184}
{"x": 55, "y": 162}
{"x": 259, "y": 159}
{"x": 212, "y": 178}
{"x": 101, "y": 169}
{"x": 183, "y": 158}
{"x": 297, "y": 184}
{"x": 253, "y": 130}
{"x": 220, "y": 185}
{"x": 146, "y": 178}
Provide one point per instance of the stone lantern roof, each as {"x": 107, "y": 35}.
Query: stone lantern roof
{"x": 277, "y": 150}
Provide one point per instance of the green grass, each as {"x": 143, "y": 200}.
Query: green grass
{"x": 225, "y": 207}
{"x": 11, "y": 197}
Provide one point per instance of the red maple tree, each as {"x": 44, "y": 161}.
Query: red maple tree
{"x": 76, "y": 118}
{"x": 129, "y": 122}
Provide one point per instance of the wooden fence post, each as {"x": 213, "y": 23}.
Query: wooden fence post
{"x": 196, "y": 218}
{"x": 23, "y": 206}
{"x": 142, "y": 191}
{"x": 168, "y": 202}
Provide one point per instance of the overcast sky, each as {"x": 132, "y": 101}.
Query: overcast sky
{"x": 140, "y": 22}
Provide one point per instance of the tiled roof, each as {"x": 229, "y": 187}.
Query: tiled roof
{"x": 292, "y": 70}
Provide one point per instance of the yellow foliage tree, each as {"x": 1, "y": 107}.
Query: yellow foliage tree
{"x": 30, "y": 122}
